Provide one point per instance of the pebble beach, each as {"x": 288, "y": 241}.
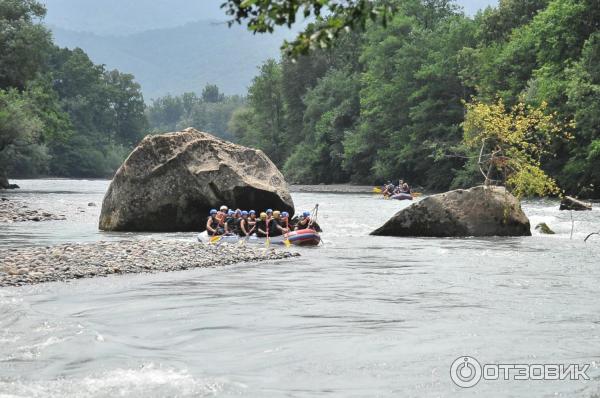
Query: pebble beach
{"x": 33, "y": 265}
{"x": 12, "y": 211}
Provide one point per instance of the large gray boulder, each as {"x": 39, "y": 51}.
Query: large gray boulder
{"x": 171, "y": 181}
{"x": 480, "y": 211}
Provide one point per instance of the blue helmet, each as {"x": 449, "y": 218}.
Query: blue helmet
{"x": 269, "y": 211}
{"x": 230, "y": 213}
{"x": 244, "y": 213}
{"x": 306, "y": 214}
{"x": 213, "y": 212}
{"x": 238, "y": 211}
{"x": 285, "y": 214}
{"x": 252, "y": 212}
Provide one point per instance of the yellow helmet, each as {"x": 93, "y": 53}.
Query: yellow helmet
{"x": 276, "y": 214}
{"x": 263, "y": 216}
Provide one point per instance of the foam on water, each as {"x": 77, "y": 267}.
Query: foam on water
{"x": 148, "y": 380}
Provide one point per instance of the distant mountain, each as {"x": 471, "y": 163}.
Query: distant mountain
{"x": 171, "y": 46}
{"x": 123, "y": 17}
{"x": 180, "y": 59}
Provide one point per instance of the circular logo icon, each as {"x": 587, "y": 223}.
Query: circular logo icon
{"x": 465, "y": 372}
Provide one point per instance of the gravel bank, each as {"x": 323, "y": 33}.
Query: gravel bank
{"x": 11, "y": 211}
{"x": 331, "y": 188}
{"x": 19, "y": 267}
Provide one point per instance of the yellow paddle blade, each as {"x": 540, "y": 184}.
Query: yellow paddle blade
{"x": 215, "y": 239}
{"x": 287, "y": 243}
{"x": 267, "y": 242}
{"x": 377, "y": 190}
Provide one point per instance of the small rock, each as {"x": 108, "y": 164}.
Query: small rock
{"x": 92, "y": 204}
{"x": 543, "y": 228}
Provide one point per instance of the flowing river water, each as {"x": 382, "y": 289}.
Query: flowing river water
{"x": 358, "y": 317}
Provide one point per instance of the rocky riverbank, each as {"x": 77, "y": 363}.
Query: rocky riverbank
{"x": 341, "y": 188}
{"x": 12, "y": 211}
{"x": 28, "y": 266}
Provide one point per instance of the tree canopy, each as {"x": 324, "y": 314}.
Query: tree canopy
{"x": 390, "y": 102}
{"x": 60, "y": 113}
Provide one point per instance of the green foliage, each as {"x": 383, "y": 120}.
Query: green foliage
{"x": 18, "y": 123}
{"x": 332, "y": 108}
{"x": 60, "y": 113}
{"x": 396, "y": 108}
{"x": 266, "y": 125}
{"x": 332, "y": 18}
{"x": 211, "y": 112}
{"x": 511, "y": 143}
{"x": 24, "y": 44}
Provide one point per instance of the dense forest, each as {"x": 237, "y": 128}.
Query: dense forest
{"x": 210, "y": 112}
{"x": 59, "y": 113}
{"x": 382, "y": 103}
{"x": 390, "y": 103}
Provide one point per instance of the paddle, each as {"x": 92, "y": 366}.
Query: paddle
{"x": 287, "y": 242}
{"x": 268, "y": 241}
{"x": 377, "y": 190}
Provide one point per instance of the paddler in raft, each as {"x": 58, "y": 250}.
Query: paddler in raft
{"x": 263, "y": 227}
{"x": 279, "y": 227}
{"x": 306, "y": 222}
{"x": 246, "y": 229}
{"x": 213, "y": 224}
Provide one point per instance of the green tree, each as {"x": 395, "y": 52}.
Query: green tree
{"x": 332, "y": 18}
{"x": 211, "y": 93}
{"x": 511, "y": 143}
{"x": 267, "y": 127}
{"x": 332, "y": 110}
{"x": 24, "y": 43}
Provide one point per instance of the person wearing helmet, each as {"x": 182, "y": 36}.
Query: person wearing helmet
{"x": 213, "y": 225}
{"x": 285, "y": 221}
{"x": 230, "y": 223}
{"x": 237, "y": 220}
{"x": 264, "y": 226}
{"x": 269, "y": 214}
{"x": 245, "y": 228}
{"x": 222, "y": 215}
{"x": 252, "y": 218}
{"x": 277, "y": 228}
{"x": 304, "y": 222}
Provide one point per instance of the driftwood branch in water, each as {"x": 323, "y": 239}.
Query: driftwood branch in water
{"x": 590, "y": 235}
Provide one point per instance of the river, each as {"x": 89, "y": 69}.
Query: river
{"x": 358, "y": 317}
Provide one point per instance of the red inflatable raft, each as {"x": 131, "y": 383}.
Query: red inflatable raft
{"x": 304, "y": 237}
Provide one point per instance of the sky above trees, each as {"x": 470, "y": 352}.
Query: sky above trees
{"x": 126, "y": 17}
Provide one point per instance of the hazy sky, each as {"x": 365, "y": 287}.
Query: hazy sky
{"x": 129, "y": 16}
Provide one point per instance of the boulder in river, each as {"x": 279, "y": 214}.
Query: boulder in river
{"x": 171, "y": 181}
{"x": 570, "y": 203}
{"x": 4, "y": 184}
{"x": 480, "y": 211}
